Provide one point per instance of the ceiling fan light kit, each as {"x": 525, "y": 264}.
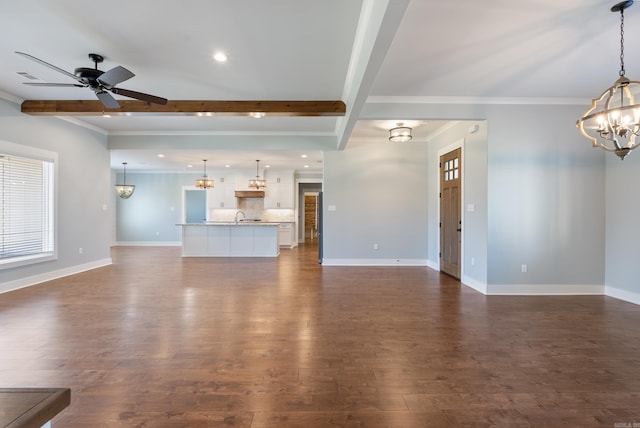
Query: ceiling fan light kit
{"x": 612, "y": 122}
{"x": 100, "y": 82}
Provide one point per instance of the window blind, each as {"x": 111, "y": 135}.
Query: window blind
{"x": 26, "y": 208}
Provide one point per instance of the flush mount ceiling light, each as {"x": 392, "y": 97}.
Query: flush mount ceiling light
{"x": 257, "y": 183}
{"x": 613, "y": 120}
{"x": 400, "y": 134}
{"x": 125, "y": 190}
{"x": 204, "y": 182}
{"x": 220, "y": 56}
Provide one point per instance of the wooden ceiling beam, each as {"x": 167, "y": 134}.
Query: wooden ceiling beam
{"x": 184, "y": 108}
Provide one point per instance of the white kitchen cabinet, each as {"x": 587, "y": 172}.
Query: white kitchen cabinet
{"x": 223, "y": 193}
{"x": 242, "y": 179}
{"x": 280, "y": 190}
{"x": 285, "y": 235}
{"x": 230, "y": 240}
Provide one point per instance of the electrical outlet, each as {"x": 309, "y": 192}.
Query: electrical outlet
{"x": 80, "y": 250}
{"x": 523, "y": 268}
{"x": 375, "y": 246}
{"x": 473, "y": 261}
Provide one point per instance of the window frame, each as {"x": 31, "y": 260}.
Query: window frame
{"x": 33, "y": 153}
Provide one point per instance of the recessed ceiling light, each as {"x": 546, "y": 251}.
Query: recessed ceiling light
{"x": 220, "y": 57}
{"x": 257, "y": 114}
{"x": 303, "y": 156}
{"x": 160, "y": 155}
{"x": 189, "y": 166}
{"x": 306, "y": 166}
{"x": 227, "y": 166}
{"x": 267, "y": 166}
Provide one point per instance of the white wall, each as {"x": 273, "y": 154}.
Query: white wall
{"x": 84, "y": 193}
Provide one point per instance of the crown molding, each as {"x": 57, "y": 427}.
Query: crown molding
{"x": 478, "y": 100}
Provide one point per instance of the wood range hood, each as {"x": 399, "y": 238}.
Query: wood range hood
{"x": 249, "y": 193}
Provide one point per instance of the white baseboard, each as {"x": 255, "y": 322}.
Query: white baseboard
{"x": 544, "y": 289}
{"x": 433, "y": 264}
{"x": 626, "y": 295}
{"x": 374, "y": 262}
{"x": 476, "y": 285}
{"x": 49, "y": 276}
{"x": 147, "y": 244}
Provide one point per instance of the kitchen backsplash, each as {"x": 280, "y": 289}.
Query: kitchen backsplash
{"x": 253, "y": 208}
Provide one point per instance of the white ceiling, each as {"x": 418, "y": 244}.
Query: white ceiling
{"x": 311, "y": 50}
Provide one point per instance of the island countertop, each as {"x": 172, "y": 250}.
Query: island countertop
{"x": 231, "y": 223}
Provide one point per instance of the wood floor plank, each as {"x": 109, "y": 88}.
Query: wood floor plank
{"x": 160, "y": 341}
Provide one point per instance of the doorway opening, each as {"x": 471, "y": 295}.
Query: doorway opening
{"x": 309, "y": 213}
{"x": 310, "y": 218}
{"x": 195, "y": 205}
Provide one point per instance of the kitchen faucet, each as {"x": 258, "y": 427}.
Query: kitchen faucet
{"x": 239, "y": 212}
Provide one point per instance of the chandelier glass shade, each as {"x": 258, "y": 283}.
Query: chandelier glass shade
{"x": 124, "y": 191}
{"x": 257, "y": 183}
{"x": 204, "y": 182}
{"x": 400, "y": 134}
{"x": 612, "y": 122}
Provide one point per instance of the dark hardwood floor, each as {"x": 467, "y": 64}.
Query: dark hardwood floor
{"x": 159, "y": 341}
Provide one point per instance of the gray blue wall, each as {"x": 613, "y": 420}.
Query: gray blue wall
{"x": 545, "y": 197}
{"x": 379, "y": 192}
{"x": 623, "y": 230}
{"x": 85, "y": 198}
{"x": 150, "y": 216}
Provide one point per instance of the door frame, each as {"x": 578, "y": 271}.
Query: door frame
{"x": 299, "y": 200}
{"x": 459, "y": 144}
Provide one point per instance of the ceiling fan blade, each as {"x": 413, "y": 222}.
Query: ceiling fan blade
{"x": 107, "y": 100}
{"x": 46, "y": 64}
{"x": 114, "y": 76}
{"x": 139, "y": 96}
{"x": 64, "y": 85}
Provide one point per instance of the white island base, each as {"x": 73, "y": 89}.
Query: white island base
{"x": 230, "y": 240}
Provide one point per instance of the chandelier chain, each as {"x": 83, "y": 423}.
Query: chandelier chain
{"x": 622, "y": 42}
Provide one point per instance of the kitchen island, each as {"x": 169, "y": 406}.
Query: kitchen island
{"x": 230, "y": 239}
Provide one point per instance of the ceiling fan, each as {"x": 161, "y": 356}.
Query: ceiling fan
{"x": 98, "y": 81}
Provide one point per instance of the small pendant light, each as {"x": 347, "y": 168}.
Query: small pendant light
{"x": 257, "y": 183}
{"x": 204, "y": 182}
{"x": 125, "y": 190}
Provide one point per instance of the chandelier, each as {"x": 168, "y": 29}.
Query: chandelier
{"x": 257, "y": 183}
{"x": 400, "y": 133}
{"x": 204, "y": 182}
{"x": 613, "y": 120}
{"x": 125, "y": 190}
